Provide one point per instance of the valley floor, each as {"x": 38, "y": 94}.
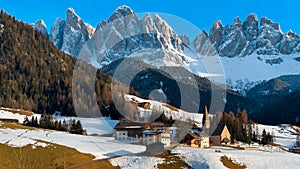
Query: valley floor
{"x": 22, "y": 143}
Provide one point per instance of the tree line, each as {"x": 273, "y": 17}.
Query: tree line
{"x": 38, "y": 77}
{"x": 48, "y": 122}
{"x": 241, "y": 127}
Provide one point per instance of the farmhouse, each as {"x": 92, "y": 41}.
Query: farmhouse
{"x": 150, "y": 136}
{"x": 130, "y": 131}
{"x": 196, "y": 140}
{"x": 220, "y": 136}
{"x": 145, "y": 105}
{"x": 146, "y": 133}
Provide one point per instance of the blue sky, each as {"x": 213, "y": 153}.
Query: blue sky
{"x": 200, "y": 13}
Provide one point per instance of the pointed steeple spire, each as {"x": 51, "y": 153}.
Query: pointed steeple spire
{"x": 205, "y": 119}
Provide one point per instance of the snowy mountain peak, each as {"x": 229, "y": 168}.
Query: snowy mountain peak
{"x": 237, "y": 20}
{"x": 163, "y": 27}
{"x": 237, "y": 24}
{"x": 245, "y": 38}
{"x": 250, "y": 27}
{"x": 265, "y": 22}
{"x": 217, "y": 24}
{"x": 72, "y": 16}
{"x": 71, "y": 34}
{"x": 41, "y": 26}
{"x": 125, "y": 9}
{"x": 57, "y": 32}
{"x": 252, "y": 17}
{"x": 91, "y": 30}
{"x": 122, "y": 11}
{"x": 71, "y": 10}
{"x": 41, "y": 23}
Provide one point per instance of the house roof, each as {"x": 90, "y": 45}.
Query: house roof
{"x": 148, "y": 132}
{"x": 218, "y": 131}
{"x": 130, "y": 125}
{"x": 193, "y": 135}
{"x": 138, "y": 125}
{"x": 202, "y": 134}
{"x": 167, "y": 132}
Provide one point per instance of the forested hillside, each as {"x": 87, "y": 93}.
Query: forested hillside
{"x": 35, "y": 75}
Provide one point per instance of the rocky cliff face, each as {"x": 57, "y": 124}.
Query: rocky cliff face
{"x": 241, "y": 39}
{"x": 57, "y": 33}
{"x": 41, "y": 26}
{"x": 150, "y": 39}
{"x": 70, "y": 35}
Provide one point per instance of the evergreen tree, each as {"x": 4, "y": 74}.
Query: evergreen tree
{"x": 264, "y": 140}
{"x": 79, "y": 126}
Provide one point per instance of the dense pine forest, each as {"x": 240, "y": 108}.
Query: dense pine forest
{"x": 36, "y": 76}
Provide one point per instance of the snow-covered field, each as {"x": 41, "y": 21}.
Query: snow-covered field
{"x": 283, "y": 137}
{"x": 94, "y": 126}
{"x": 107, "y": 147}
{"x": 100, "y": 147}
{"x": 208, "y": 158}
{"x": 135, "y": 162}
{"x": 8, "y": 115}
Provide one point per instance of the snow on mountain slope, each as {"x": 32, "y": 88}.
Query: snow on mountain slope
{"x": 175, "y": 114}
{"x": 245, "y": 72}
{"x": 41, "y": 26}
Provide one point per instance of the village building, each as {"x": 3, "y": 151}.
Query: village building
{"x": 145, "y": 105}
{"x": 150, "y": 136}
{"x": 204, "y": 141}
{"x": 165, "y": 138}
{"x": 196, "y": 140}
{"x": 220, "y": 136}
{"x": 195, "y": 129}
{"x": 146, "y": 133}
{"x": 173, "y": 133}
{"x": 129, "y": 131}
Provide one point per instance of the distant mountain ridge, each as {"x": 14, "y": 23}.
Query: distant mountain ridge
{"x": 242, "y": 38}
{"x": 248, "y": 37}
{"x": 152, "y": 40}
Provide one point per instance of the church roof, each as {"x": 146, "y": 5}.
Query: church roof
{"x": 218, "y": 131}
